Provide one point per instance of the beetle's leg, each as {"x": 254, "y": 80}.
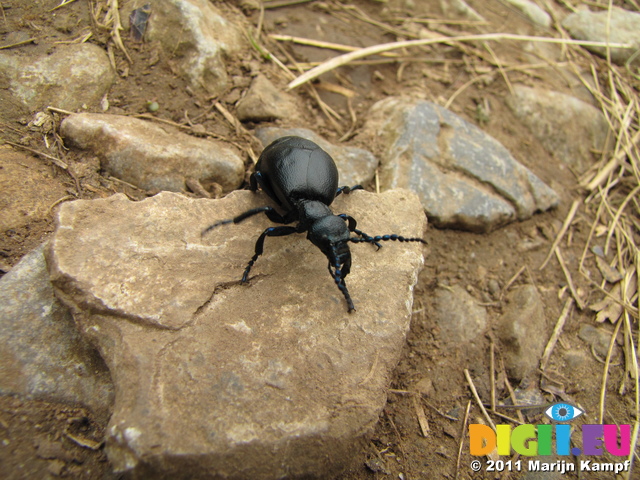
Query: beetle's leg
{"x": 351, "y": 222}
{"x": 270, "y": 212}
{"x": 269, "y": 232}
{"x": 256, "y": 179}
{"x": 338, "y": 277}
{"x": 346, "y": 190}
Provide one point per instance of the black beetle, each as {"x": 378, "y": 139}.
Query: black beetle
{"x": 303, "y": 180}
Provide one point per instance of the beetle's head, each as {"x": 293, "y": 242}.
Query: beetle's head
{"x": 331, "y": 235}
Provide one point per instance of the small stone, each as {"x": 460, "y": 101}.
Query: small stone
{"x": 73, "y": 75}
{"x": 465, "y": 178}
{"x": 568, "y": 128}
{"x": 460, "y": 318}
{"x": 42, "y": 354}
{"x": 619, "y": 26}
{"x": 55, "y": 467}
{"x": 536, "y": 14}
{"x": 599, "y": 339}
{"x": 265, "y": 102}
{"x": 424, "y": 387}
{"x": 150, "y": 156}
{"x": 575, "y": 359}
{"x": 356, "y": 166}
{"x": 377, "y": 465}
{"x": 197, "y": 37}
{"x": 494, "y": 288}
{"x": 218, "y": 379}
{"x": 522, "y": 331}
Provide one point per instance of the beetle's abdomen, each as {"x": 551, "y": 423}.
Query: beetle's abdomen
{"x": 298, "y": 169}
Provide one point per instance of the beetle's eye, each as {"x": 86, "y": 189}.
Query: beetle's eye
{"x": 563, "y": 412}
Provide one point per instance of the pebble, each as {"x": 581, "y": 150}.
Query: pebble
{"x": 68, "y": 78}
{"x": 570, "y": 129}
{"x": 43, "y": 355}
{"x": 460, "y": 318}
{"x": 153, "y": 157}
{"x": 197, "y": 37}
{"x": 264, "y": 102}
{"x": 522, "y": 331}
{"x": 623, "y": 27}
{"x": 536, "y": 14}
{"x": 465, "y": 178}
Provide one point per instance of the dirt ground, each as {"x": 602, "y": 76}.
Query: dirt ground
{"x": 40, "y": 439}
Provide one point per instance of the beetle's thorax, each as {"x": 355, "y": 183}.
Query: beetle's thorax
{"x": 309, "y": 212}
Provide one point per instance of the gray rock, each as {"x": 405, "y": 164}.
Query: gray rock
{"x": 464, "y": 177}
{"x": 71, "y": 76}
{"x": 42, "y": 355}
{"x": 460, "y": 8}
{"x": 153, "y": 157}
{"x": 356, "y": 166}
{"x": 460, "y": 318}
{"x": 566, "y": 126}
{"x": 624, "y": 27}
{"x": 522, "y": 331}
{"x": 264, "y": 102}
{"x": 27, "y": 189}
{"x": 213, "y": 378}
{"x": 196, "y": 36}
{"x": 599, "y": 339}
{"x": 536, "y": 14}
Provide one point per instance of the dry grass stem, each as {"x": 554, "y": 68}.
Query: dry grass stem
{"x": 557, "y": 331}
{"x": 55, "y": 160}
{"x": 605, "y": 374}
{"x": 463, "y": 430}
{"x": 477, "y": 397}
{"x": 327, "y": 45}
{"x": 492, "y": 367}
{"x": 563, "y": 230}
{"x": 567, "y": 275}
{"x": 386, "y": 47}
{"x": 17, "y": 44}
{"x": 422, "y": 418}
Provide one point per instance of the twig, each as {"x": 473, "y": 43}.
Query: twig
{"x": 17, "y": 44}
{"x": 605, "y": 374}
{"x": 422, "y": 418}
{"x": 557, "y": 331}
{"x": 284, "y": 3}
{"x": 320, "y": 44}
{"x": 386, "y": 47}
{"x": 492, "y": 364}
{"x": 511, "y": 280}
{"x": 477, "y": 397}
{"x": 563, "y": 230}
{"x": 55, "y": 160}
{"x": 567, "y": 275}
{"x": 462, "y": 436}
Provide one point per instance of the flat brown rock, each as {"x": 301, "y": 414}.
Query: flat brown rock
{"x": 214, "y": 378}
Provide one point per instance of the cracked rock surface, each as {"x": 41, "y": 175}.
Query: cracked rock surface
{"x": 464, "y": 177}
{"x": 218, "y": 379}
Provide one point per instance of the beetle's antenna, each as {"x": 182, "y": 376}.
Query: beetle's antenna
{"x": 337, "y": 277}
{"x": 384, "y": 238}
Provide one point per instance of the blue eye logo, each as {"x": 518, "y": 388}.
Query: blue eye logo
{"x": 563, "y": 412}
